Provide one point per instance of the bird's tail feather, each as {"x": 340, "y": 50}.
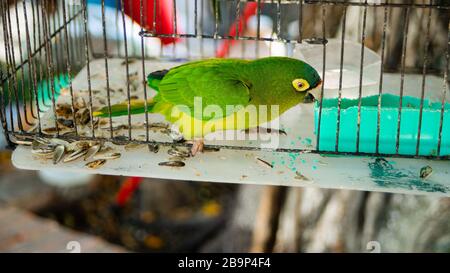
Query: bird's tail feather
{"x": 121, "y": 109}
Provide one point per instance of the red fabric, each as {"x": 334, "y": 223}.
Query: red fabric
{"x": 250, "y": 9}
{"x": 164, "y": 16}
{"x": 127, "y": 189}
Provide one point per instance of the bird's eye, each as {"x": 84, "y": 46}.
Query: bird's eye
{"x": 300, "y": 85}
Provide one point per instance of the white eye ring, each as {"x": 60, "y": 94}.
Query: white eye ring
{"x": 300, "y": 85}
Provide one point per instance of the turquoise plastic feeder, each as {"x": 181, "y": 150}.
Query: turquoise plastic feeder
{"x": 409, "y": 126}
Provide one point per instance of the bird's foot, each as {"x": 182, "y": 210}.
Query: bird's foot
{"x": 197, "y": 146}
{"x": 259, "y": 130}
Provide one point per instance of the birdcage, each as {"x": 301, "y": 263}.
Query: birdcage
{"x": 380, "y": 120}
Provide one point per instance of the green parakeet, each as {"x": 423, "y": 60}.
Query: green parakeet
{"x": 222, "y": 94}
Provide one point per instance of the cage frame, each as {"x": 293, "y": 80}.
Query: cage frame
{"x": 84, "y": 51}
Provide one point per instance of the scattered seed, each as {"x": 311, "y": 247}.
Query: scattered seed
{"x": 93, "y": 150}
{"x": 265, "y": 130}
{"x": 50, "y": 130}
{"x": 96, "y": 164}
{"x": 71, "y": 134}
{"x": 74, "y": 156}
{"x": 58, "y": 154}
{"x": 43, "y": 152}
{"x": 316, "y": 41}
{"x": 57, "y": 141}
{"x": 64, "y": 110}
{"x": 42, "y": 140}
{"x": 300, "y": 176}
{"x": 83, "y": 116}
{"x": 175, "y": 135}
{"x": 120, "y": 140}
{"x": 210, "y": 149}
{"x": 425, "y": 172}
{"x": 177, "y": 158}
{"x": 79, "y": 103}
{"x": 161, "y": 125}
{"x": 265, "y": 163}
{"x": 66, "y": 122}
{"x": 172, "y": 164}
{"x": 106, "y": 156}
{"x": 103, "y": 121}
{"x": 277, "y": 131}
{"x": 130, "y": 61}
{"x": 177, "y": 152}
{"x": 79, "y": 145}
{"x": 22, "y": 140}
{"x": 154, "y": 148}
{"x": 133, "y": 146}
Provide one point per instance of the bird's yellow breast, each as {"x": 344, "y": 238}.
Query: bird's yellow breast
{"x": 247, "y": 117}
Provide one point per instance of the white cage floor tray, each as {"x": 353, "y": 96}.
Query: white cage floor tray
{"x": 233, "y": 165}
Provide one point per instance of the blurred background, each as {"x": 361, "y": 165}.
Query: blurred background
{"x": 44, "y": 211}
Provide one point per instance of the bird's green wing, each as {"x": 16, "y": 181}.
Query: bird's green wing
{"x": 212, "y": 84}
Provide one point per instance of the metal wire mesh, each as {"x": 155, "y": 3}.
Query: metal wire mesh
{"x": 58, "y": 44}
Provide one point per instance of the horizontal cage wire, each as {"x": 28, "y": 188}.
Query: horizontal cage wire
{"x": 49, "y": 44}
